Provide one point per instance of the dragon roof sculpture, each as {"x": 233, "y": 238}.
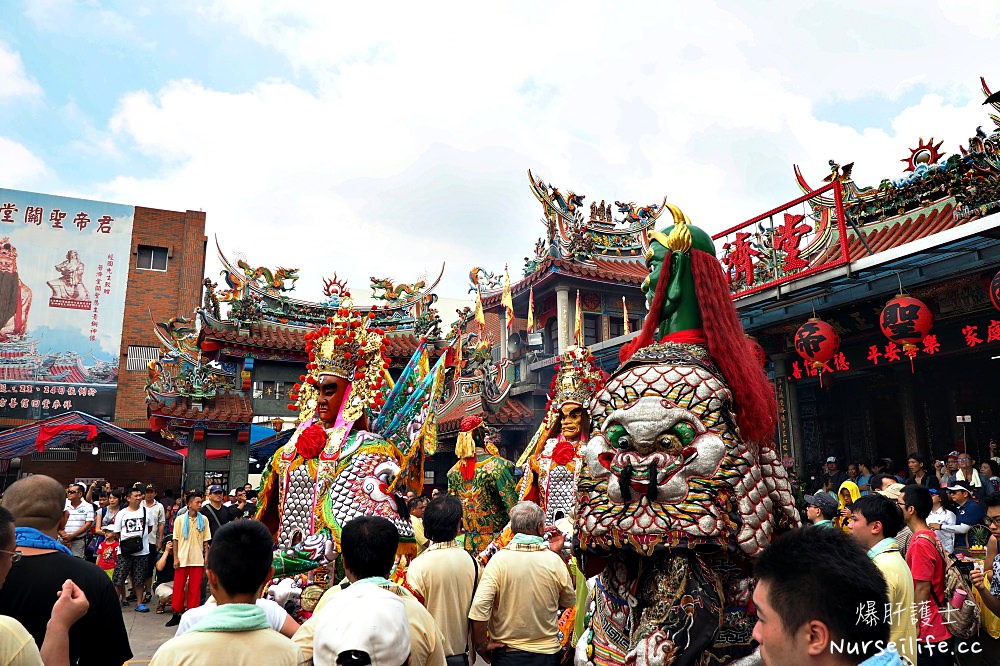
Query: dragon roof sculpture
{"x": 260, "y": 296}
{"x": 570, "y": 235}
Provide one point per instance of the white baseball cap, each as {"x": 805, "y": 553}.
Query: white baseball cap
{"x": 832, "y": 459}
{"x": 364, "y": 618}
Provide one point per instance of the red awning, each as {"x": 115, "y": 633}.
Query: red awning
{"x": 211, "y": 454}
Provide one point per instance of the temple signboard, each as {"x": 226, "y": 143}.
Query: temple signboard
{"x": 63, "y": 272}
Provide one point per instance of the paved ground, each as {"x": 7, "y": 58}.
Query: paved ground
{"x": 146, "y": 632}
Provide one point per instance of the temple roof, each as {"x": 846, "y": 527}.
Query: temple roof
{"x": 225, "y": 407}
{"x": 267, "y": 335}
{"x": 510, "y": 412}
{"x": 900, "y": 231}
{"x": 619, "y": 272}
{"x": 400, "y": 345}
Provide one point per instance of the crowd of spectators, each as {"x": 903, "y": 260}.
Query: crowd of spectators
{"x": 880, "y": 537}
{"x": 911, "y": 527}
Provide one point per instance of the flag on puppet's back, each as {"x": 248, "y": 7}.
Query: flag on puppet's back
{"x": 507, "y": 301}
{"x": 578, "y": 324}
{"x": 625, "y": 316}
{"x": 416, "y": 369}
{"x": 480, "y": 315}
{"x": 531, "y": 310}
{"x": 458, "y": 351}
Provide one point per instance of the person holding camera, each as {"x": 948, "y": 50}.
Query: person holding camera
{"x": 96, "y": 487}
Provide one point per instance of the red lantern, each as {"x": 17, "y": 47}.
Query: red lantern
{"x": 906, "y": 321}
{"x": 816, "y": 342}
{"x": 757, "y": 350}
{"x": 995, "y": 291}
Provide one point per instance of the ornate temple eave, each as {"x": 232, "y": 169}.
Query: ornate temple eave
{"x": 225, "y": 408}
{"x": 283, "y": 338}
{"x": 627, "y": 273}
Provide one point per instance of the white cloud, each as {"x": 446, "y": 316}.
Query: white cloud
{"x": 406, "y": 139}
{"x": 20, "y": 168}
{"x": 14, "y": 81}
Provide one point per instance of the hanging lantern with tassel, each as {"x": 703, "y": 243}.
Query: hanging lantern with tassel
{"x": 816, "y": 342}
{"x": 906, "y": 321}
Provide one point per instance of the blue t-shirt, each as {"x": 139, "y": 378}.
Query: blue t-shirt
{"x": 970, "y": 513}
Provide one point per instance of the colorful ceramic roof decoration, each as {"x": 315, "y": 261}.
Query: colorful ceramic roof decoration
{"x": 841, "y": 222}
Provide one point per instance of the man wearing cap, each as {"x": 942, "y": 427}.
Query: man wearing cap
{"x": 820, "y": 509}
{"x": 217, "y": 514}
{"x": 157, "y": 520}
{"x": 834, "y": 474}
{"x": 363, "y": 625}
{"x": 968, "y": 513}
{"x": 946, "y": 473}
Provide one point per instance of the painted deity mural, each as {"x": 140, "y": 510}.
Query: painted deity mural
{"x": 64, "y": 266}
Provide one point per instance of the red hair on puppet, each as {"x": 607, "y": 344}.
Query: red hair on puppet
{"x": 755, "y": 405}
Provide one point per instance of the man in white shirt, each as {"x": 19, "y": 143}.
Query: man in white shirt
{"x": 132, "y": 525}
{"x": 81, "y": 517}
{"x": 157, "y": 520}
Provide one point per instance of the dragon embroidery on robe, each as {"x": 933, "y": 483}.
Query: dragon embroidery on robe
{"x": 484, "y": 482}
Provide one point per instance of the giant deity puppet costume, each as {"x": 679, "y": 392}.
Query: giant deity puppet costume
{"x": 484, "y": 482}
{"x": 680, "y": 486}
{"x": 550, "y": 462}
{"x": 355, "y": 440}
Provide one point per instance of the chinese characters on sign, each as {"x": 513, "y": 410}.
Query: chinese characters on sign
{"x": 103, "y": 286}
{"x": 35, "y": 214}
{"x": 61, "y": 303}
{"x": 971, "y": 336}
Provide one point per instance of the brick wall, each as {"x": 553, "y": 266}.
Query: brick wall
{"x": 175, "y": 292}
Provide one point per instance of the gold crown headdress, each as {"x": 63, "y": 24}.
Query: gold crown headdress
{"x": 345, "y": 347}
{"x": 576, "y": 381}
{"x": 6, "y": 249}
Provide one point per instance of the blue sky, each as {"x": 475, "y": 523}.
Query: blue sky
{"x": 381, "y": 139}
